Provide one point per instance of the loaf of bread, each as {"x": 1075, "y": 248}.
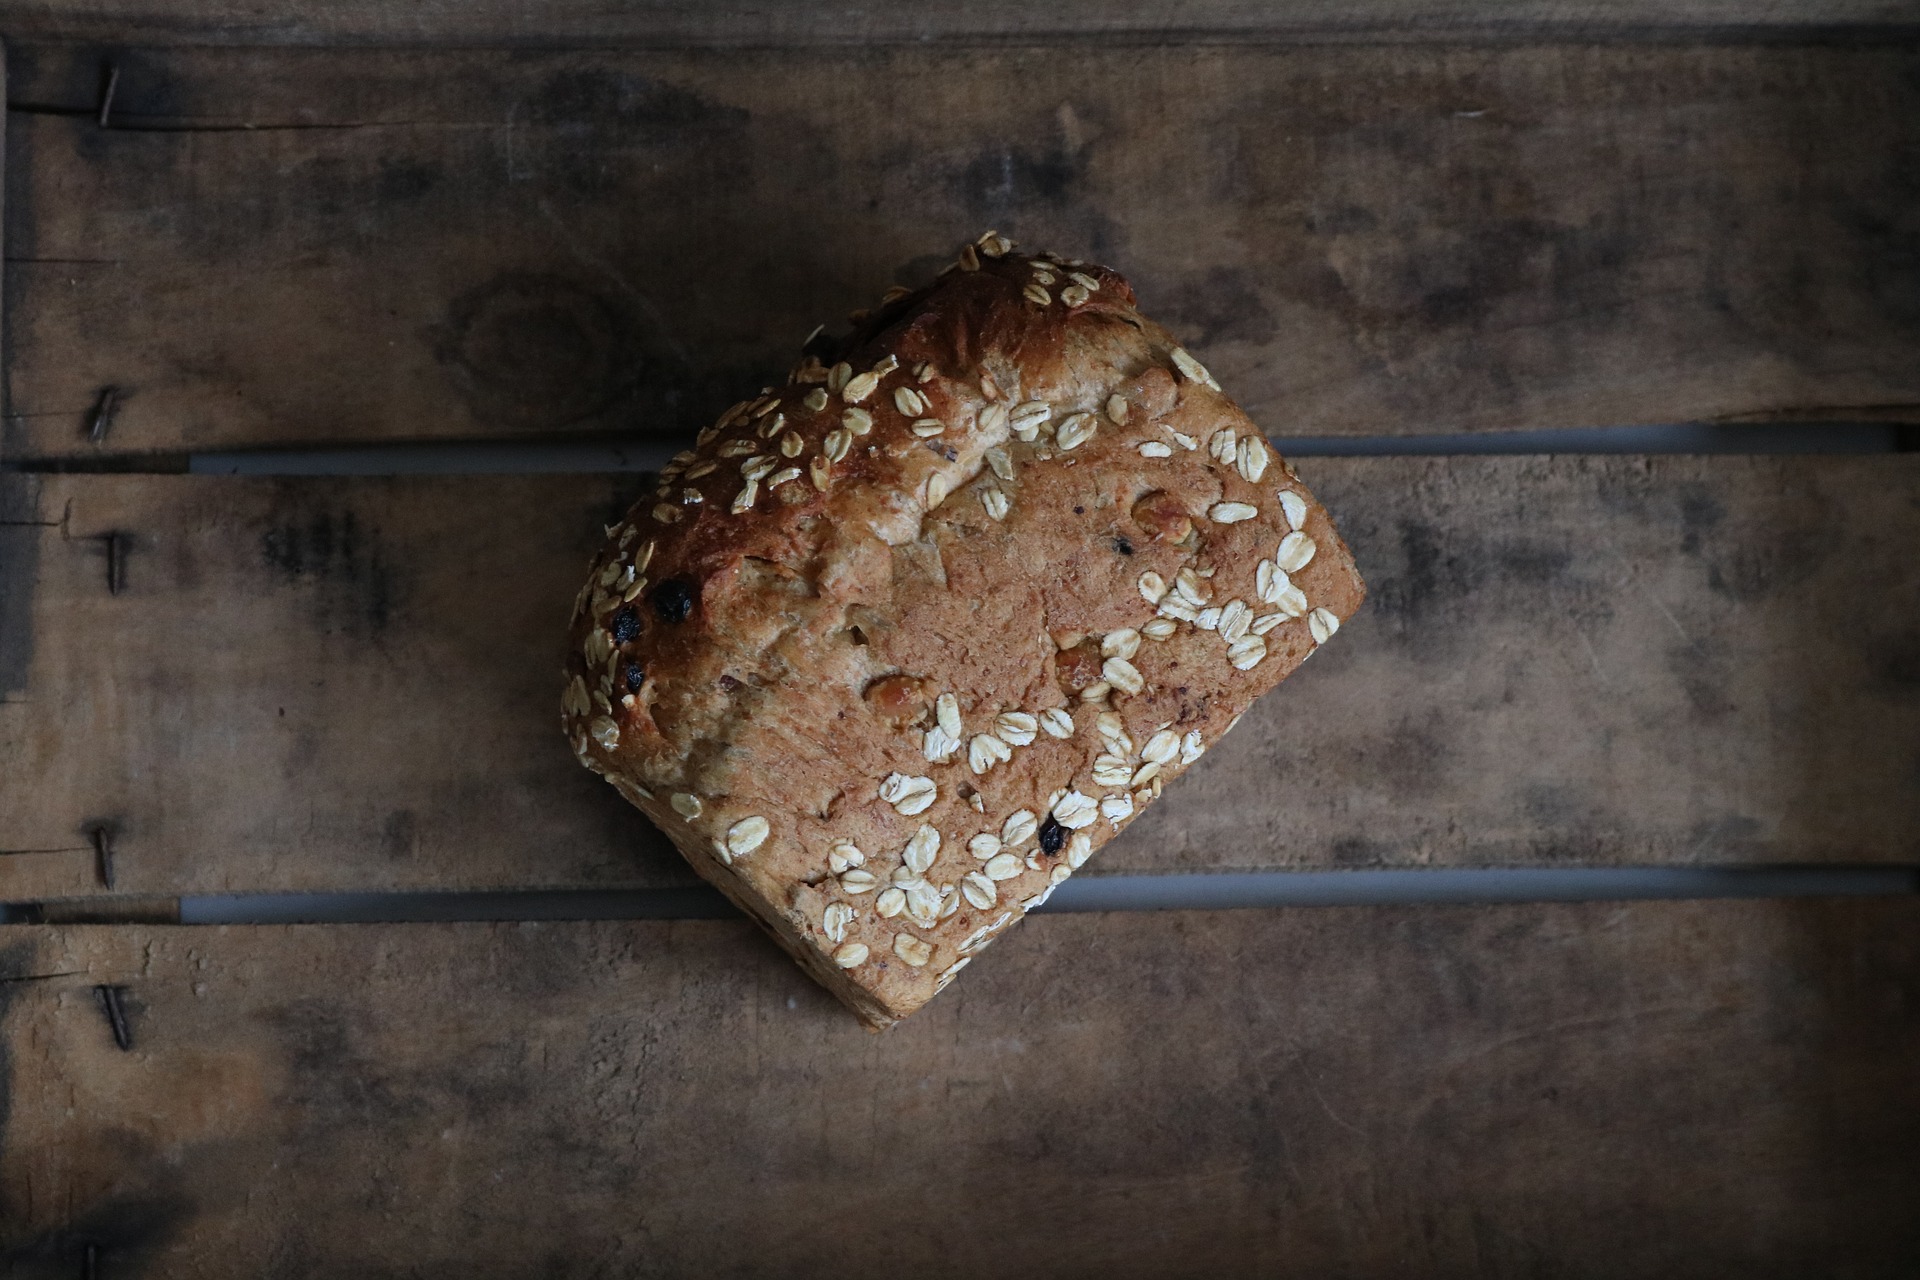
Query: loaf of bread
{"x": 899, "y": 645}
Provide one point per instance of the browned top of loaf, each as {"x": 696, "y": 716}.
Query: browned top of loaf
{"x": 966, "y": 324}
{"x": 838, "y": 553}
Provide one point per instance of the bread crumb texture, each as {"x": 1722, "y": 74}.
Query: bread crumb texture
{"x": 896, "y": 647}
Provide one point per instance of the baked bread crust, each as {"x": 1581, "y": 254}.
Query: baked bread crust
{"x": 900, "y": 644}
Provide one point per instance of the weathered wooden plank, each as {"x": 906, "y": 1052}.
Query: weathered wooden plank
{"x": 667, "y": 23}
{"x": 352, "y": 683}
{"x": 307, "y": 684}
{"x": 295, "y": 245}
{"x": 1686, "y": 1089}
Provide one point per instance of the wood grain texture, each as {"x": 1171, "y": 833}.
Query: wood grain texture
{"x": 285, "y": 245}
{"x": 310, "y": 684}
{"x": 667, "y": 23}
{"x": 340, "y": 684}
{"x": 1673, "y": 1089}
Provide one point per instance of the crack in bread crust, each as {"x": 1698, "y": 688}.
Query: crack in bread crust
{"x": 898, "y": 645}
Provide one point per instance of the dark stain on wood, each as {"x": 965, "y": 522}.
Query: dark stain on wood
{"x": 340, "y": 1081}
{"x": 405, "y": 179}
{"x": 1897, "y": 658}
{"x": 531, "y": 349}
{"x": 1037, "y": 168}
{"x": 1221, "y": 305}
{"x": 1408, "y": 752}
{"x": 147, "y": 86}
{"x": 1433, "y": 568}
{"x": 16, "y": 967}
{"x": 1004, "y": 178}
{"x": 400, "y": 836}
{"x": 334, "y": 1083}
{"x": 21, "y": 530}
{"x": 623, "y": 102}
{"x": 120, "y": 1236}
{"x": 1767, "y": 561}
{"x": 1700, "y": 669}
{"x": 311, "y": 543}
{"x": 1700, "y": 514}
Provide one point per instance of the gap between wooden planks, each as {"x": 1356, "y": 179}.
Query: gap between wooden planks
{"x": 305, "y": 245}
{"x": 1606, "y": 1089}
{"x": 669, "y": 23}
{"x": 352, "y": 684}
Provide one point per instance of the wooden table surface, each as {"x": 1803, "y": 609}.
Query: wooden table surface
{"x": 250, "y": 227}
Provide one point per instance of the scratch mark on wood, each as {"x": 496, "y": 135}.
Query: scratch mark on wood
{"x": 1668, "y": 615}
{"x": 24, "y": 415}
{"x": 162, "y": 124}
{"x": 43, "y": 977}
{"x": 1592, "y": 657}
{"x": 1327, "y": 1107}
{"x": 106, "y": 94}
{"x": 1871, "y": 409}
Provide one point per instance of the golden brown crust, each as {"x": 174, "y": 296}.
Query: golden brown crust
{"x": 1009, "y": 506}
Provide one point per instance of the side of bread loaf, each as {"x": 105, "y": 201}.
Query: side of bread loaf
{"x": 900, "y": 644}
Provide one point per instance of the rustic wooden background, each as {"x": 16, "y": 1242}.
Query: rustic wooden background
{"x": 246, "y": 227}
